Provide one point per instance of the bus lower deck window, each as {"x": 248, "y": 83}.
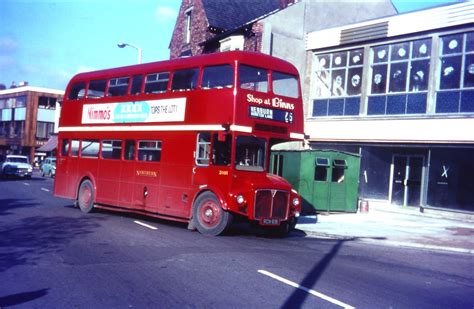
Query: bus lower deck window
{"x": 149, "y": 151}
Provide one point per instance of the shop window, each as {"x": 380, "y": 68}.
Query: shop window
{"x": 399, "y": 73}
{"x": 338, "y": 80}
{"x": 456, "y": 74}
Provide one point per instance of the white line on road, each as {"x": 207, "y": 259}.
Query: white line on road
{"x": 44, "y": 189}
{"x": 312, "y": 292}
{"x": 26, "y": 184}
{"x": 145, "y": 225}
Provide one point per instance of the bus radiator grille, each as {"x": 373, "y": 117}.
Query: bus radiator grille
{"x": 271, "y": 204}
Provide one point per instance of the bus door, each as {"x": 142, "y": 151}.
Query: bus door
{"x": 127, "y": 174}
{"x": 147, "y": 175}
{"x": 212, "y": 163}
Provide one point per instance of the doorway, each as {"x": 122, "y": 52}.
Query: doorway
{"x": 407, "y": 179}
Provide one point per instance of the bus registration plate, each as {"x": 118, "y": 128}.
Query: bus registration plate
{"x": 269, "y": 221}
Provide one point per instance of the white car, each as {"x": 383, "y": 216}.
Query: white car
{"x": 16, "y": 165}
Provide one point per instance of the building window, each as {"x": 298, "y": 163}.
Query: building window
{"x": 338, "y": 79}
{"x": 187, "y": 30}
{"x": 47, "y": 102}
{"x": 44, "y": 129}
{"x": 456, "y": 77}
{"x": 399, "y": 79}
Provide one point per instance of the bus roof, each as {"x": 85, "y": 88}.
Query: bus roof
{"x": 250, "y": 58}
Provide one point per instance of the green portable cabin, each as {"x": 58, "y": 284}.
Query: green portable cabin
{"x": 327, "y": 180}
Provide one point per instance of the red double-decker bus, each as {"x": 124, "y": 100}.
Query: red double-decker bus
{"x": 186, "y": 140}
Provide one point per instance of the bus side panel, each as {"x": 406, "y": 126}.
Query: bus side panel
{"x": 108, "y": 181}
{"x": 146, "y": 186}
{"x": 61, "y": 178}
{"x": 86, "y": 167}
{"x": 176, "y": 173}
{"x": 126, "y": 182}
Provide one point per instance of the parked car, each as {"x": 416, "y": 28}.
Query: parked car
{"x": 49, "y": 167}
{"x": 16, "y": 165}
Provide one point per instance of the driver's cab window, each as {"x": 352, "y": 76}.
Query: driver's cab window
{"x": 221, "y": 149}
{"x": 203, "y": 149}
{"x": 250, "y": 153}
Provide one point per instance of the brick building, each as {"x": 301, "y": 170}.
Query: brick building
{"x": 28, "y": 117}
{"x": 207, "y": 26}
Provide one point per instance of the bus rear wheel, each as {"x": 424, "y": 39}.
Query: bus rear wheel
{"x": 208, "y": 215}
{"x": 85, "y": 196}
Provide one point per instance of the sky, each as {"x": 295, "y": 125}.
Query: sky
{"x": 46, "y": 42}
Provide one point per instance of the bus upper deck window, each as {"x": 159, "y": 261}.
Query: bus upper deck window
{"x": 78, "y": 90}
{"x": 118, "y": 86}
{"x": 136, "y": 85}
{"x": 185, "y": 79}
{"x": 156, "y": 82}
{"x": 253, "y": 78}
{"x": 285, "y": 84}
{"x": 96, "y": 89}
{"x": 220, "y": 76}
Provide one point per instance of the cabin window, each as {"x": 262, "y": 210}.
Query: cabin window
{"x": 64, "y": 147}
{"x": 221, "y": 149}
{"x": 149, "y": 151}
{"x": 96, "y": 89}
{"x": 220, "y": 76}
{"x": 157, "y": 82}
{"x": 75, "y": 148}
{"x": 118, "y": 86}
{"x": 78, "y": 90}
{"x": 129, "y": 153}
{"x": 111, "y": 149}
{"x": 250, "y": 153}
{"x": 285, "y": 84}
{"x": 253, "y": 78}
{"x": 321, "y": 169}
{"x": 90, "y": 148}
{"x": 203, "y": 148}
{"x": 185, "y": 79}
{"x": 136, "y": 85}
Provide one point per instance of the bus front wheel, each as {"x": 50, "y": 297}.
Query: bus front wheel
{"x": 85, "y": 196}
{"x": 208, "y": 215}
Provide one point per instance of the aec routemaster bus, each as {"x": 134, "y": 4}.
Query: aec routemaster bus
{"x": 186, "y": 140}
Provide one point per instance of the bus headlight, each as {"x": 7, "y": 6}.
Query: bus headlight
{"x": 240, "y": 199}
{"x": 295, "y": 201}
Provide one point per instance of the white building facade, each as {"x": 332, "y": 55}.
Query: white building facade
{"x": 400, "y": 92}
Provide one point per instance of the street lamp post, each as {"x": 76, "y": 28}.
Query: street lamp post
{"x": 139, "y": 50}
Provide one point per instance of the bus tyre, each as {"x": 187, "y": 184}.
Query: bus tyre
{"x": 208, "y": 215}
{"x": 85, "y": 196}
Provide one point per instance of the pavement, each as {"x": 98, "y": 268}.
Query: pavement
{"x": 396, "y": 226}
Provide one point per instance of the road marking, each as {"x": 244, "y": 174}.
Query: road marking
{"x": 26, "y": 184}
{"x": 312, "y": 292}
{"x": 145, "y": 225}
{"x": 44, "y": 189}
